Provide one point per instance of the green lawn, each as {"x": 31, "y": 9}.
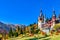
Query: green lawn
{"x": 38, "y": 37}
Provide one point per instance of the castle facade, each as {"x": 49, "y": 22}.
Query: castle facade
{"x": 47, "y": 25}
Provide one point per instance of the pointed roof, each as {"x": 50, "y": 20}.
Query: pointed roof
{"x": 41, "y": 14}
{"x": 54, "y": 13}
{"x": 59, "y": 16}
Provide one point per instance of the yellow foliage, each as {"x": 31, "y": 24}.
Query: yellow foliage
{"x": 0, "y": 35}
{"x": 57, "y": 26}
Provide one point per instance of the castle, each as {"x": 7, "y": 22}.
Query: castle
{"x": 48, "y": 25}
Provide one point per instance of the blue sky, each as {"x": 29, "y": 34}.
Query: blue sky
{"x": 26, "y": 11}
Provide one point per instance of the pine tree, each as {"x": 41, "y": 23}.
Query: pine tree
{"x": 11, "y": 32}
{"x": 18, "y": 30}
{"x": 32, "y": 28}
{"x": 16, "y": 34}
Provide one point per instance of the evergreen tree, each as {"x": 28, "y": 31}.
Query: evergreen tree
{"x": 16, "y": 34}
{"x": 32, "y": 28}
{"x": 11, "y": 32}
{"x": 18, "y": 30}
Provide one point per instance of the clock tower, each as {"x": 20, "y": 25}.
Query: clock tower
{"x": 40, "y": 20}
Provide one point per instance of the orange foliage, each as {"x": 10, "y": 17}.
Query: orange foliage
{"x": 43, "y": 33}
{"x": 35, "y": 25}
{"x": 30, "y": 34}
{"x": 57, "y": 33}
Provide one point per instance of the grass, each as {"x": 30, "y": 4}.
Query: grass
{"x": 39, "y": 37}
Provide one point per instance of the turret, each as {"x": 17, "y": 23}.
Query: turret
{"x": 44, "y": 18}
{"x": 53, "y": 19}
{"x": 59, "y": 18}
{"x": 40, "y": 20}
{"x": 41, "y": 17}
{"x": 54, "y": 16}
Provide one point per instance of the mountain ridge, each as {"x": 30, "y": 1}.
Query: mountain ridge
{"x": 6, "y": 27}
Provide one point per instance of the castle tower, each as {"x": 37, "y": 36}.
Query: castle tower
{"x": 53, "y": 19}
{"x": 54, "y": 16}
{"x": 59, "y": 18}
{"x": 44, "y": 18}
{"x": 40, "y": 20}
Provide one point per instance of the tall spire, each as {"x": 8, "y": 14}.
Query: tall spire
{"x": 44, "y": 18}
{"x": 54, "y": 13}
{"x": 59, "y": 17}
{"x": 54, "y": 16}
{"x": 41, "y": 14}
